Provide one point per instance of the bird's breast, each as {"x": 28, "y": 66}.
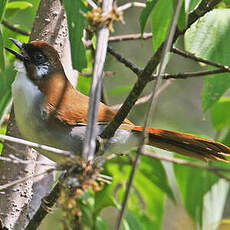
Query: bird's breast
{"x": 28, "y": 101}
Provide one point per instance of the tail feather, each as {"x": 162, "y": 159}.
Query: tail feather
{"x": 186, "y": 144}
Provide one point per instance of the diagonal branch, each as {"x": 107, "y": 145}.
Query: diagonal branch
{"x": 14, "y": 28}
{"x": 198, "y": 59}
{"x": 147, "y": 73}
{"x": 216, "y": 170}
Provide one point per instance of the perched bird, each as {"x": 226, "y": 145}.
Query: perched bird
{"x": 50, "y": 111}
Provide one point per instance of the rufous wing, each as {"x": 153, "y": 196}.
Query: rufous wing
{"x": 65, "y": 103}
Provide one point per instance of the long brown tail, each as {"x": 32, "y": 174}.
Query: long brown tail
{"x": 185, "y": 144}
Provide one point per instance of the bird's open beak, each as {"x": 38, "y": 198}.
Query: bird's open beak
{"x": 20, "y": 46}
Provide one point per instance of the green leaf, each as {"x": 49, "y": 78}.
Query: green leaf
{"x": 2, "y": 131}
{"x": 209, "y": 38}
{"x": 2, "y": 58}
{"x": 21, "y": 5}
{"x": 133, "y": 221}
{"x": 14, "y": 7}
{"x": 2, "y": 8}
{"x": 220, "y": 113}
{"x": 100, "y": 224}
{"x": 153, "y": 198}
{"x": 183, "y": 17}
{"x": 191, "y": 4}
{"x": 145, "y": 14}
{"x": 119, "y": 90}
{"x": 103, "y": 199}
{"x": 226, "y": 139}
{"x": 214, "y": 87}
{"x": 6, "y": 79}
{"x": 83, "y": 84}
{"x": 194, "y": 184}
{"x": 146, "y": 199}
{"x": 76, "y": 23}
{"x": 160, "y": 25}
{"x": 155, "y": 172}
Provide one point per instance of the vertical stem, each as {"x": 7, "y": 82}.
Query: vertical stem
{"x": 157, "y": 84}
{"x": 95, "y": 92}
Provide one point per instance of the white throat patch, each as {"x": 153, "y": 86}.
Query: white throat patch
{"x": 42, "y": 69}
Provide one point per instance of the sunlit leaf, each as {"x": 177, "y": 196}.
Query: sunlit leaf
{"x": 120, "y": 90}
{"x": 191, "y": 4}
{"x": 103, "y": 199}
{"x": 151, "y": 215}
{"x": 145, "y": 13}
{"x": 101, "y": 225}
{"x": 83, "y": 84}
{"x": 160, "y": 25}
{"x": 194, "y": 184}
{"x": 2, "y": 58}
{"x": 220, "y": 113}
{"x": 183, "y": 17}
{"x": 2, "y": 8}
{"x": 133, "y": 221}
{"x": 155, "y": 172}
{"x": 14, "y": 7}
{"x": 76, "y": 24}
{"x": 6, "y": 79}
{"x": 209, "y": 38}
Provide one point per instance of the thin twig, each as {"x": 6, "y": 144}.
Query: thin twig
{"x": 14, "y": 28}
{"x": 215, "y": 170}
{"x": 124, "y": 61}
{"x": 190, "y": 74}
{"x": 137, "y": 70}
{"x": 36, "y": 145}
{"x": 105, "y": 74}
{"x": 198, "y": 59}
{"x": 128, "y": 37}
{"x": 16, "y": 160}
{"x": 131, "y": 4}
{"x": 124, "y": 37}
{"x": 7, "y": 185}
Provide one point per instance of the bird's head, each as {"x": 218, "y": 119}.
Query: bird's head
{"x": 40, "y": 59}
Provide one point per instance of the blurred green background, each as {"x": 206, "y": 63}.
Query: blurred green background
{"x": 178, "y": 108}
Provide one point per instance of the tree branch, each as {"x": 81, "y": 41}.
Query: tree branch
{"x": 128, "y": 37}
{"x": 14, "y": 28}
{"x": 198, "y": 59}
{"x": 147, "y": 73}
{"x": 215, "y": 170}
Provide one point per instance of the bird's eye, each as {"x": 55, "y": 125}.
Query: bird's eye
{"x": 39, "y": 58}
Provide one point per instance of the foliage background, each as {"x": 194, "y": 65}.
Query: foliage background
{"x": 179, "y": 108}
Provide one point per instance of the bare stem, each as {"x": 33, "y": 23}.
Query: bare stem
{"x": 154, "y": 97}
{"x": 14, "y": 28}
{"x": 198, "y": 59}
{"x": 216, "y": 170}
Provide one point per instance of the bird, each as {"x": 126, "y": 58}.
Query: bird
{"x": 50, "y": 111}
